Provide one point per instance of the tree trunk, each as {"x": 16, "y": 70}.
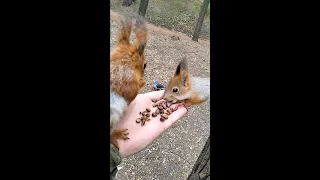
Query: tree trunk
{"x": 143, "y": 7}
{"x": 203, "y": 11}
{"x": 201, "y": 169}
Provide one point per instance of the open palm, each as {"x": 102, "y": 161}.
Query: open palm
{"x": 142, "y": 136}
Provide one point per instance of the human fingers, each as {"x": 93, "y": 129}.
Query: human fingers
{"x": 155, "y": 95}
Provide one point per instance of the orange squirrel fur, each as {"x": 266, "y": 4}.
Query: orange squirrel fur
{"x": 127, "y": 64}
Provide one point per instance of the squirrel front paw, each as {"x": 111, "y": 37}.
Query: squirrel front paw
{"x": 120, "y": 134}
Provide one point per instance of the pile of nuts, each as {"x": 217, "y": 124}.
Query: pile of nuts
{"x": 163, "y": 108}
{"x": 145, "y": 117}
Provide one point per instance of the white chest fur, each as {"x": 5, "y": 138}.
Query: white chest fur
{"x": 117, "y": 107}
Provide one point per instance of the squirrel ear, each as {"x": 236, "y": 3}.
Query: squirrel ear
{"x": 183, "y": 72}
{"x": 141, "y": 47}
{"x": 185, "y": 78}
{"x": 183, "y": 66}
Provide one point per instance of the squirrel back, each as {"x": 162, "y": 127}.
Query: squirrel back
{"x": 183, "y": 87}
{"x": 201, "y": 86}
{"x": 127, "y": 61}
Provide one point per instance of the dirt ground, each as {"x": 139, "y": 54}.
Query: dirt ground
{"x": 176, "y": 15}
{"x": 174, "y": 153}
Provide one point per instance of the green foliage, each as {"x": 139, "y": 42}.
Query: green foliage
{"x": 196, "y": 7}
{"x": 147, "y": 53}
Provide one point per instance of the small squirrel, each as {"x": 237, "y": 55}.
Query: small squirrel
{"x": 127, "y": 65}
{"x": 186, "y": 89}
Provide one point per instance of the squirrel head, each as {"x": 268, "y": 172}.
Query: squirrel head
{"x": 179, "y": 87}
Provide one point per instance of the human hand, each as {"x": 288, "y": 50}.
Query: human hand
{"x": 142, "y": 136}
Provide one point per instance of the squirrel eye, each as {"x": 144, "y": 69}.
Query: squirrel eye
{"x": 145, "y": 65}
{"x": 175, "y": 89}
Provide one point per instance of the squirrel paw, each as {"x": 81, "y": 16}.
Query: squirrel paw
{"x": 120, "y": 134}
{"x": 184, "y": 105}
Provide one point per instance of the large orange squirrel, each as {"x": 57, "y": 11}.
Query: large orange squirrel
{"x": 127, "y": 64}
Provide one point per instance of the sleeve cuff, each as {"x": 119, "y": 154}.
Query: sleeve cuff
{"x": 115, "y": 160}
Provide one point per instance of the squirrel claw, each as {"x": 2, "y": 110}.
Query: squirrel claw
{"x": 185, "y": 106}
{"x": 120, "y": 134}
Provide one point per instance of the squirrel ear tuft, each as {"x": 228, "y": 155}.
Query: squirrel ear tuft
{"x": 184, "y": 64}
{"x": 178, "y": 70}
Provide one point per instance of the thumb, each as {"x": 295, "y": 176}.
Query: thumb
{"x": 155, "y": 95}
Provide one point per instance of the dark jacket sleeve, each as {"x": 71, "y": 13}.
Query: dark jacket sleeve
{"x": 115, "y": 160}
